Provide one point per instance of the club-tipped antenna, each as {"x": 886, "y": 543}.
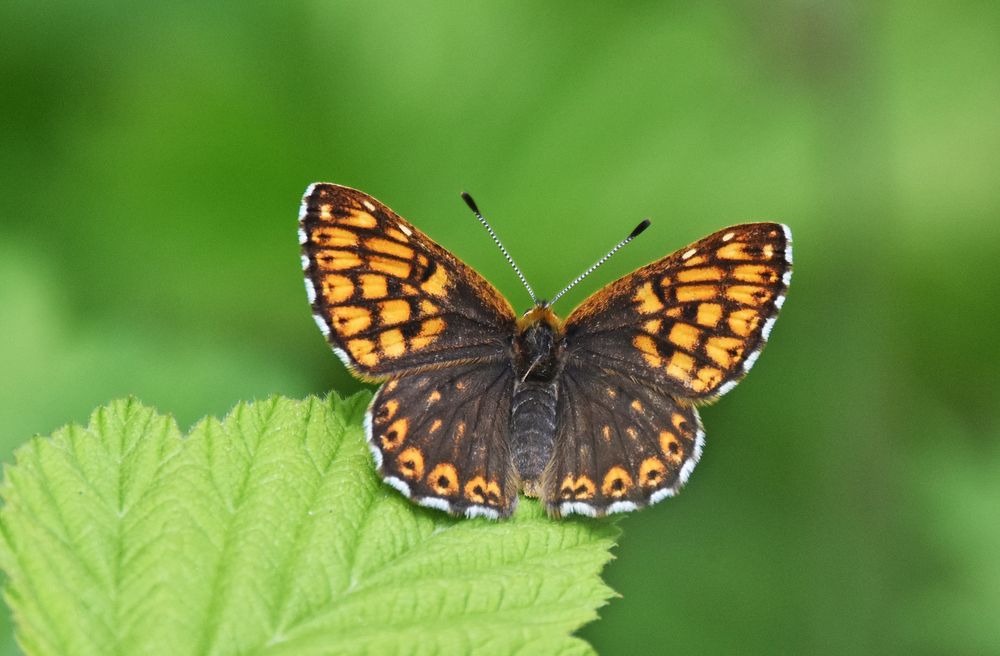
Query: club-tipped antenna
{"x": 632, "y": 235}
{"x": 496, "y": 240}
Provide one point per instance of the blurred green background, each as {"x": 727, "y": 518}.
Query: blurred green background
{"x": 152, "y": 158}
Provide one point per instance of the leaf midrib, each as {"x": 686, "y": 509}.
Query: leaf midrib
{"x": 224, "y": 562}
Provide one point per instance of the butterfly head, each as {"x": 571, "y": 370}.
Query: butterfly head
{"x": 539, "y": 314}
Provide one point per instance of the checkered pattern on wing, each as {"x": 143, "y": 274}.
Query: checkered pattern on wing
{"x": 694, "y": 322}
{"x": 388, "y": 298}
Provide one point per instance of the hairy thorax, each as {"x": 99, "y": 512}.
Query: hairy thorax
{"x": 537, "y": 356}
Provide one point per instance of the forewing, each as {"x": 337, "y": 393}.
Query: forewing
{"x": 441, "y": 438}
{"x": 388, "y": 299}
{"x": 619, "y": 445}
{"x": 693, "y": 322}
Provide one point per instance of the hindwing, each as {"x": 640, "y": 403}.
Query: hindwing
{"x": 441, "y": 438}
{"x": 619, "y": 444}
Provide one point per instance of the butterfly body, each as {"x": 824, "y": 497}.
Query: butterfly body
{"x": 594, "y": 415}
{"x": 536, "y": 362}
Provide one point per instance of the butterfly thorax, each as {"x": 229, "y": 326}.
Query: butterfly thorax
{"x": 536, "y": 359}
{"x": 537, "y": 345}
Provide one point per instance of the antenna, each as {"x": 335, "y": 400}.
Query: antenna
{"x": 632, "y": 235}
{"x": 472, "y": 205}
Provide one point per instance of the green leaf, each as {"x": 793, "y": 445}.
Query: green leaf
{"x": 269, "y": 533}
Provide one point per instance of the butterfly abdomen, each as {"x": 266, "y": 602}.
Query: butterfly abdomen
{"x": 532, "y": 427}
{"x": 536, "y": 361}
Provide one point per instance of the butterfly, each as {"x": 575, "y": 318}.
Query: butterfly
{"x": 595, "y": 414}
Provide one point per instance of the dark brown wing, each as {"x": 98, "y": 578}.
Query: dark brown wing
{"x": 693, "y": 323}
{"x": 388, "y": 299}
{"x": 619, "y": 445}
{"x": 441, "y": 438}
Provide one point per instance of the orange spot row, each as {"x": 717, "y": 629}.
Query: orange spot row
{"x": 443, "y": 479}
